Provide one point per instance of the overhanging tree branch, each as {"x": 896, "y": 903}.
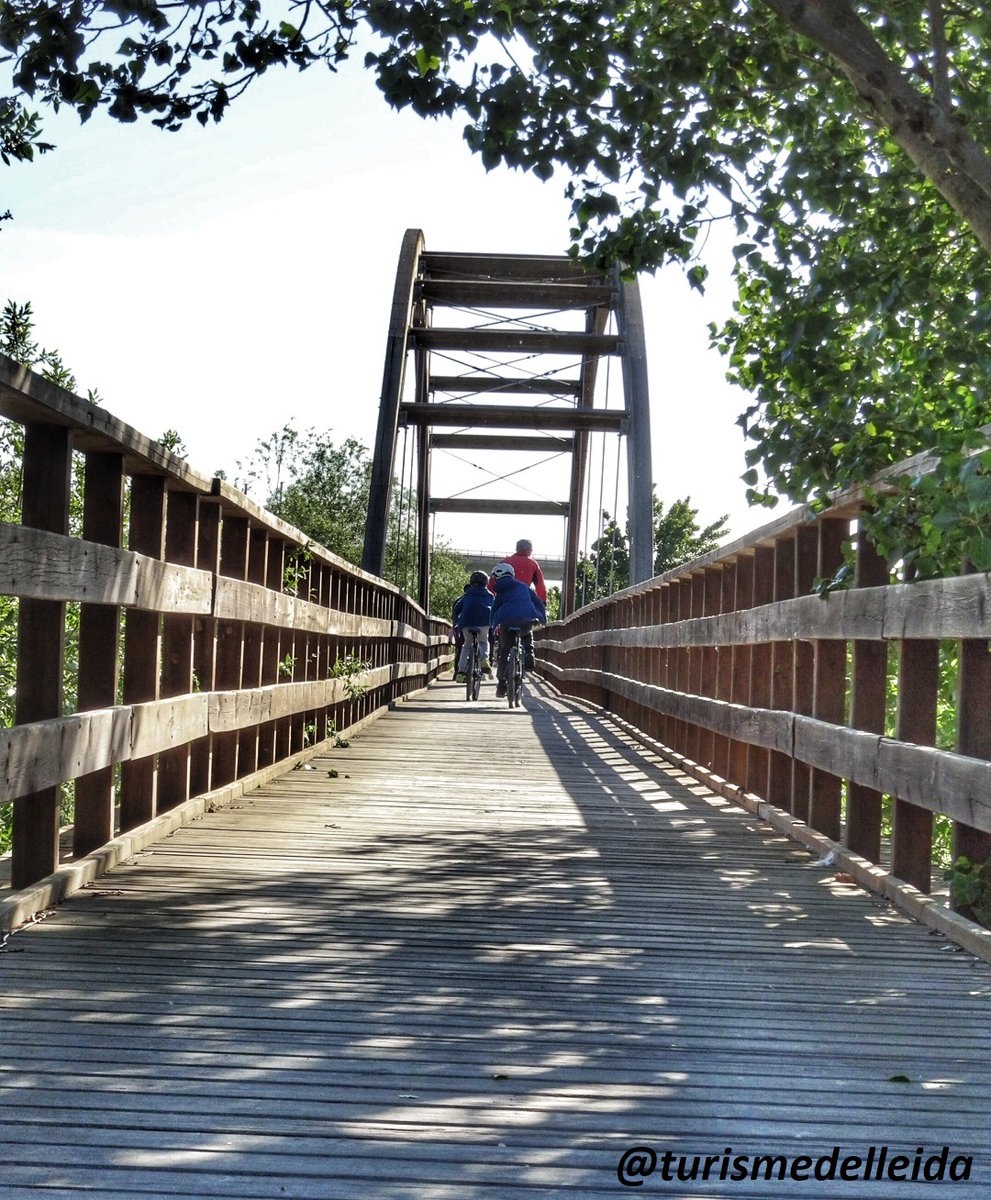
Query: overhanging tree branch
{"x": 928, "y": 131}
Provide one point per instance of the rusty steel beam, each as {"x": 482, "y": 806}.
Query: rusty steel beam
{"x": 541, "y": 386}
{"x": 532, "y": 508}
{"x": 508, "y": 417}
{"x": 515, "y": 341}
{"x": 499, "y": 294}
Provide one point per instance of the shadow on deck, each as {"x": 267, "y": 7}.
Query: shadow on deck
{"x": 492, "y": 953}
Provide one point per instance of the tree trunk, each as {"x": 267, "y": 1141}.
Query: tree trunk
{"x": 928, "y": 132}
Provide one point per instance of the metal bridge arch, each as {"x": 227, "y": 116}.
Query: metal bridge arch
{"x": 499, "y": 407}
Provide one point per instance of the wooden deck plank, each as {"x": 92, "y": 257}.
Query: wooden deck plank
{"x": 494, "y": 951}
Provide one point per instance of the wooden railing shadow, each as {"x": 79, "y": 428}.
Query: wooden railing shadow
{"x": 463, "y": 1011}
{"x": 216, "y": 644}
{"x": 822, "y": 708}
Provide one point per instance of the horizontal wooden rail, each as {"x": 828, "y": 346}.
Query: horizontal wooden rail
{"x": 47, "y": 753}
{"x": 939, "y": 781}
{"x": 826, "y": 707}
{"x": 53, "y": 566}
{"x": 957, "y": 607}
{"x": 211, "y": 641}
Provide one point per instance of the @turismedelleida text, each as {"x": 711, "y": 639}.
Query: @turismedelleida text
{"x": 875, "y": 1164}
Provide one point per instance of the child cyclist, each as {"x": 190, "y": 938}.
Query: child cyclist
{"x": 516, "y": 607}
{"x": 472, "y": 613}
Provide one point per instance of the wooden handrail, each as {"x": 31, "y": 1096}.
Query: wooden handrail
{"x": 233, "y": 624}
{"x": 796, "y": 699}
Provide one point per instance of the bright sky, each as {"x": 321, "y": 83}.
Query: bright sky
{"x": 223, "y": 281}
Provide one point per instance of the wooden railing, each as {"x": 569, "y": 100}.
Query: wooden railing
{"x": 243, "y": 646}
{"x": 820, "y": 707}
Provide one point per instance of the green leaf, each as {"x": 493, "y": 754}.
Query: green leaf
{"x": 426, "y": 62}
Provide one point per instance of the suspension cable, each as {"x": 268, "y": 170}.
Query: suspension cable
{"x": 506, "y": 478}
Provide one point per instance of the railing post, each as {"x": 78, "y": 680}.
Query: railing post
{"x": 311, "y": 593}
{"x": 230, "y": 644}
{"x": 205, "y": 644}
{"x": 742, "y": 656}
{"x": 760, "y": 673}
{"x": 320, "y": 651}
{"x": 973, "y": 734}
{"x": 670, "y": 663}
{"x": 142, "y": 648}
{"x": 867, "y": 709}
{"x": 655, "y": 672}
{"x": 278, "y": 564}
{"x": 806, "y": 569}
{"x": 682, "y": 611}
{"x": 724, "y": 671}
{"x": 706, "y": 599}
{"x": 254, "y": 643}
{"x": 269, "y": 671}
{"x": 40, "y": 648}
{"x": 918, "y": 690}
{"x": 181, "y": 529}
{"x": 99, "y": 630}
{"x": 779, "y": 790}
{"x": 829, "y": 685}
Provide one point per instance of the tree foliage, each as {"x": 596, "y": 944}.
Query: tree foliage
{"x": 319, "y": 487}
{"x": 678, "y": 538}
{"x": 448, "y": 575}
{"x": 651, "y": 105}
{"x": 323, "y": 488}
{"x": 844, "y": 145}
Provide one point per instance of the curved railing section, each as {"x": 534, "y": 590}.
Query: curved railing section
{"x": 212, "y": 645}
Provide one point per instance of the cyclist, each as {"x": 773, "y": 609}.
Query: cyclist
{"x": 526, "y": 568}
{"x": 459, "y": 637}
{"x": 516, "y": 606}
{"x": 472, "y": 612}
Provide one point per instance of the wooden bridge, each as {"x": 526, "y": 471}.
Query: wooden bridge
{"x": 291, "y": 918}
{"x": 482, "y": 953}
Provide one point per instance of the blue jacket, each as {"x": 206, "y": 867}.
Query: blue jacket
{"x": 515, "y": 603}
{"x": 473, "y": 609}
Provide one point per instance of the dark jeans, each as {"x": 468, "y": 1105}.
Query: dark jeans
{"x": 506, "y": 642}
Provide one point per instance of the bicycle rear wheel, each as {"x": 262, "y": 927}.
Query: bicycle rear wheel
{"x": 476, "y": 677}
{"x": 518, "y": 690}
{"x": 470, "y": 673}
{"x": 512, "y": 681}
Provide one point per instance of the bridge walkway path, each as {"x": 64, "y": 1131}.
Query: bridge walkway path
{"x": 480, "y": 953}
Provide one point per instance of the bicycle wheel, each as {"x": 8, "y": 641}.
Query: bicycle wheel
{"x": 518, "y": 690}
{"x": 476, "y": 674}
{"x": 470, "y": 673}
{"x": 511, "y": 677}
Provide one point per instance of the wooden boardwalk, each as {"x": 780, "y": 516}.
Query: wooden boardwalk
{"x": 493, "y": 952}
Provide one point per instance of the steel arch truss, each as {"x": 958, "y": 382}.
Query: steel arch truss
{"x": 504, "y": 310}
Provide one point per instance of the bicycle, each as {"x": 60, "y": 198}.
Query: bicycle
{"x": 515, "y": 668}
{"x": 473, "y": 676}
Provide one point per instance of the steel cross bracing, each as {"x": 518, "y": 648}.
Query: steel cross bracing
{"x": 485, "y": 352}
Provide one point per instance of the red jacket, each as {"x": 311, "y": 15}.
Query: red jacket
{"x": 527, "y": 571}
